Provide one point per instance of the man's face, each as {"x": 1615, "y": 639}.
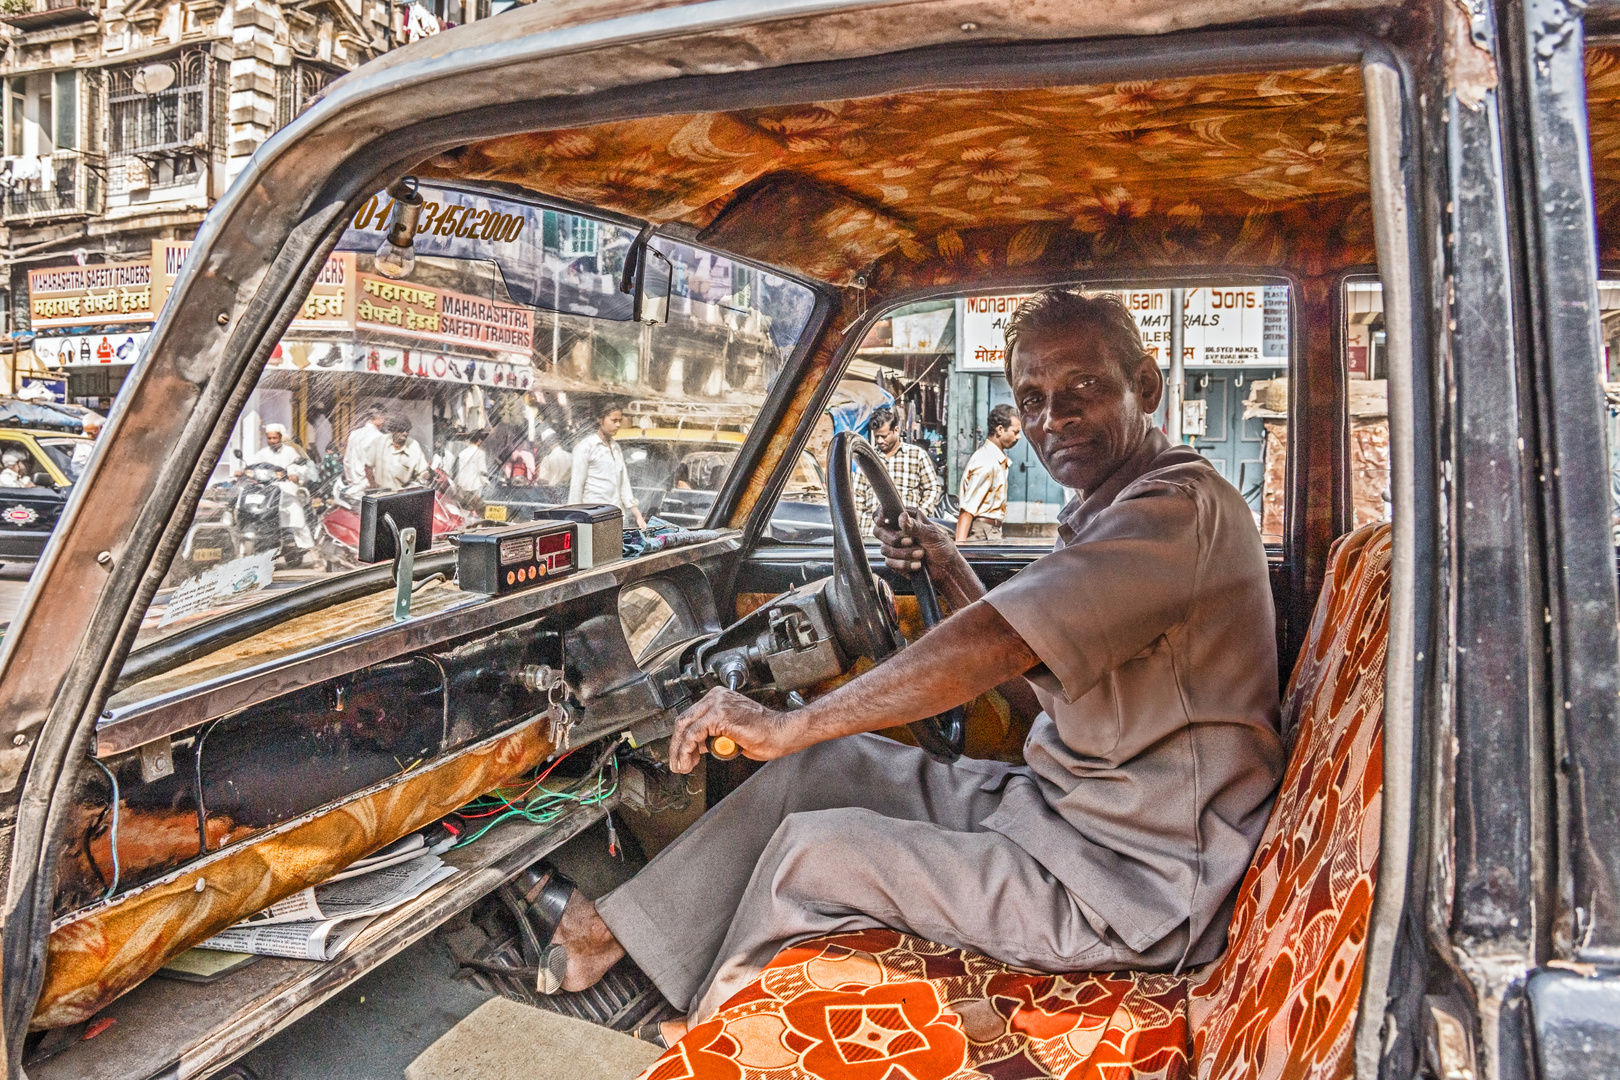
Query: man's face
{"x": 398, "y": 438}
{"x": 886, "y": 439}
{"x": 609, "y": 425}
{"x": 1007, "y": 437}
{"x": 273, "y": 438}
{"x": 1082, "y": 414}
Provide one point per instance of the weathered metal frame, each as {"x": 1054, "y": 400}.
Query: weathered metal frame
{"x": 231, "y": 304}
{"x": 1558, "y": 1023}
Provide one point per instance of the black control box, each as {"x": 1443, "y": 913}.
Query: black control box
{"x": 516, "y": 557}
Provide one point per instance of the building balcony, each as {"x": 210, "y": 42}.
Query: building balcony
{"x": 28, "y": 15}
{"x": 66, "y": 184}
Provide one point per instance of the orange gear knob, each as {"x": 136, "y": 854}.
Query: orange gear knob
{"x": 723, "y": 747}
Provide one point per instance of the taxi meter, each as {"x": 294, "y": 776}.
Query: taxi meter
{"x": 516, "y": 557}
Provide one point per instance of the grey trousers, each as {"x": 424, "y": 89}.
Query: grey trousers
{"x": 852, "y": 834}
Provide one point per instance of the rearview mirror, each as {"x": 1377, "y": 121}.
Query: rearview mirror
{"x": 654, "y": 279}
{"x": 43, "y": 479}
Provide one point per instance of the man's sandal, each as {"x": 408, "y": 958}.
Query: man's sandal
{"x": 652, "y": 1032}
{"x": 545, "y": 893}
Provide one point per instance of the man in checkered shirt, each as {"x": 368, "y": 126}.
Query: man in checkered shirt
{"x": 909, "y": 467}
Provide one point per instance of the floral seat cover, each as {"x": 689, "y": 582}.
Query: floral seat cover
{"x": 1281, "y": 1001}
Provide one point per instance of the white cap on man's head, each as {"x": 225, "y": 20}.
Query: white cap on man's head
{"x": 275, "y": 429}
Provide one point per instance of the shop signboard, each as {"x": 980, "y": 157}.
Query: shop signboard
{"x": 89, "y": 350}
{"x": 379, "y": 359}
{"x": 1240, "y": 326}
{"x": 91, "y": 295}
{"x": 549, "y": 259}
{"x": 400, "y": 308}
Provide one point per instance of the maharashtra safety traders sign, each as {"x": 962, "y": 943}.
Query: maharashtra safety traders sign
{"x": 88, "y": 295}
{"x": 395, "y": 307}
{"x": 1221, "y": 327}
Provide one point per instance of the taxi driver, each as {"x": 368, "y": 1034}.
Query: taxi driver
{"x": 1147, "y": 638}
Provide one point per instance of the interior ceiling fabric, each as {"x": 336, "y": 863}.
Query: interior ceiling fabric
{"x": 1603, "y": 123}
{"x": 1153, "y": 171}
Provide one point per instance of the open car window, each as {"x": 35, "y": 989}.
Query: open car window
{"x": 938, "y": 368}
{"x": 481, "y": 371}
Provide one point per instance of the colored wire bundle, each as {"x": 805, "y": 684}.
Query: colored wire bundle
{"x": 538, "y": 804}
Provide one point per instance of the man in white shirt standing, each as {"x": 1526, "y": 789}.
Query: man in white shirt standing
{"x": 472, "y": 468}
{"x": 982, "y": 498}
{"x": 599, "y": 474}
{"x": 360, "y": 449}
{"x": 399, "y": 461}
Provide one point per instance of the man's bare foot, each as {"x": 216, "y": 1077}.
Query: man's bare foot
{"x": 591, "y": 946}
{"x": 673, "y": 1030}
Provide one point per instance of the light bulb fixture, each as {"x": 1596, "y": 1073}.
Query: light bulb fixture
{"x": 396, "y": 258}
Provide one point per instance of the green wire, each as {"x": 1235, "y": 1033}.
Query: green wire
{"x": 545, "y": 805}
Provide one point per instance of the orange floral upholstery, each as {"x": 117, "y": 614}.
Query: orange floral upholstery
{"x": 1282, "y": 1000}
{"x": 880, "y": 1005}
{"x": 860, "y": 1006}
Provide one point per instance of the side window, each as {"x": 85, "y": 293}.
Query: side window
{"x": 1367, "y": 370}
{"x": 1609, "y": 306}
{"x": 31, "y": 464}
{"x": 932, "y": 376}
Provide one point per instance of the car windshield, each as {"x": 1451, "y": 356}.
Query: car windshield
{"x": 69, "y": 455}
{"x": 502, "y": 369}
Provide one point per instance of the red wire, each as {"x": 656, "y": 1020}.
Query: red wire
{"x": 508, "y": 802}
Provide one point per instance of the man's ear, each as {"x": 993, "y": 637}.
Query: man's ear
{"x": 1149, "y": 384}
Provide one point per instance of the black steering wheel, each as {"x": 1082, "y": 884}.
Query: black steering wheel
{"x": 864, "y": 615}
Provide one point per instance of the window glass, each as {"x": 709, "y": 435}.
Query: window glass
{"x": 937, "y": 368}
{"x": 462, "y": 376}
{"x": 1367, "y": 371}
{"x": 1609, "y": 307}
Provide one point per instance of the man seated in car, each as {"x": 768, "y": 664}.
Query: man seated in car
{"x": 1147, "y": 638}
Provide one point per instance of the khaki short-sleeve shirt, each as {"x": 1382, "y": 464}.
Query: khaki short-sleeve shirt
{"x": 1151, "y": 771}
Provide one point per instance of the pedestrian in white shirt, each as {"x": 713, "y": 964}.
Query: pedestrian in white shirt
{"x": 556, "y": 465}
{"x": 599, "y": 474}
{"x": 472, "y": 467}
{"x": 399, "y": 461}
{"x": 359, "y": 450}
{"x": 982, "y": 498}
{"x": 91, "y": 424}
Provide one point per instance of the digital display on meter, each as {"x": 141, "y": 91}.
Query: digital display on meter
{"x": 516, "y": 557}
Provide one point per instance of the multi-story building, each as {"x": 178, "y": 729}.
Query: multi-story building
{"x": 122, "y": 121}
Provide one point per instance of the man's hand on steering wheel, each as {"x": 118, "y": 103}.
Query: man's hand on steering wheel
{"x": 760, "y": 733}
{"x": 916, "y": 543}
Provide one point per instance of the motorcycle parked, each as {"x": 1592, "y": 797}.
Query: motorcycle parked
{"x": 212, "y": 539}
{"x": 340, "y": 525}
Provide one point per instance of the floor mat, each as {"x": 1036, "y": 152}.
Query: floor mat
{"x": 505, "y": 1040}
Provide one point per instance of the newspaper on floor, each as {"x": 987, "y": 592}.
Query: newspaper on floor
{"x": 294, "y": 940}
{"x": 318, "y": 922}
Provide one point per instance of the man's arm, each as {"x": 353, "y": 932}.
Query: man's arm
{"x": 964, "y": 522}
{"x": 961, "y": 658}
{"x": 918, "y": 543}
{"x": 627, "y": 494}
